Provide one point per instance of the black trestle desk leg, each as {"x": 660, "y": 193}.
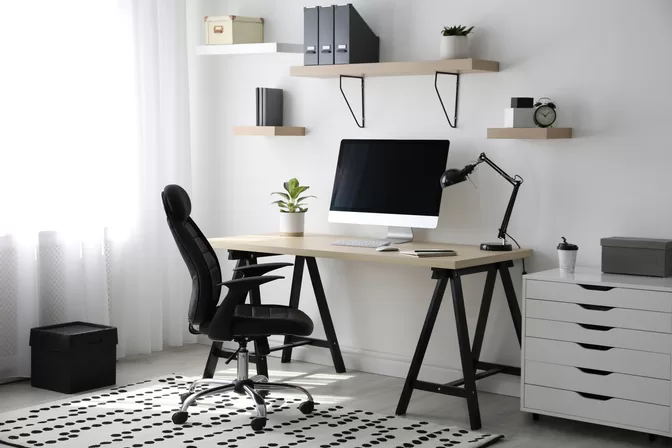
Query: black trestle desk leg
{"x": 260, "y": 345}
{"x": 511, "y": 299}
{"x": 294, "y": 296}
{"x": 421, "y": 348}
{"x": 483, "y": 314}
{"x": 323, "y": 307}
{"x": 468, "y": 369}
{"x": 213, "y": 358}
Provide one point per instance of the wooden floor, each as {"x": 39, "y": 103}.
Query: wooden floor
{"x": 374, "y": 393}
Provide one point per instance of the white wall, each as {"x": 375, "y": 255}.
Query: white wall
{"x": 606, "y": 63}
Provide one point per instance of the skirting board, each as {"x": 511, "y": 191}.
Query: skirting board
{"x": 393, "y": 365}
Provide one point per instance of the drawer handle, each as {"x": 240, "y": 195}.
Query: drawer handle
{"x": 595, "y": 327}
{"x": 602, "y": 348}
{"x": 594, "y": 372}
{"x": 595, "y": 307}
{"x": 597, "y": 287}
{"x": 595, "y": 396}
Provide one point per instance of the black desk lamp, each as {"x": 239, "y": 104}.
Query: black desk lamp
{"x": 453, "y": 176}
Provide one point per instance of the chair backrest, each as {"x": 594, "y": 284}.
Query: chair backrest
{"x": 197, "y": 253}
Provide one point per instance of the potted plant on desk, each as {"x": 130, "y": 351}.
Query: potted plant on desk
{"x": 454, "y": 42}
{"x": 292, "y": 208}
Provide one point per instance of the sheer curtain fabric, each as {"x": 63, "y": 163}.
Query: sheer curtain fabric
{"x": 94, "y": 123}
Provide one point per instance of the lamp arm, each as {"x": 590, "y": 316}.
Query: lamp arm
{"x": 509, "y": 211}
{"x": 516, "y": 181}
{"x": 512, "y": 180}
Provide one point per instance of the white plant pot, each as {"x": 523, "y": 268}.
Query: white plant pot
{"x": 292, "y": 224}
{"x": 454, "y": 47}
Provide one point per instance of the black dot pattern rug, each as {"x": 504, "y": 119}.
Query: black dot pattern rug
{"x": 139, "y": 416}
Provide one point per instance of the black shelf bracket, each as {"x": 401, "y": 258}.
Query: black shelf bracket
{"x": 361, "y": 79}
{"x": 453, "y": 124}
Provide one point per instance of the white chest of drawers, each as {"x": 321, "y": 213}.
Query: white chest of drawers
{"x": 598, "y": 348}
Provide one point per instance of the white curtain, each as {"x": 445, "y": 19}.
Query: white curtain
{"x": 94, "y": 122}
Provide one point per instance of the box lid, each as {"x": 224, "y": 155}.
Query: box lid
{"x": 637, "y": 243}
{"x": 63, "y": 337}
{"x": 232, "y": 18}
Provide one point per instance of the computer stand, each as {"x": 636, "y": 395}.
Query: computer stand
{"x": 399, "y": 235}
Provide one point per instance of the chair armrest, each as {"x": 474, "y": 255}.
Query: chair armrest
{"x": 257, "y": 270}
{"x": 248, "y": 283}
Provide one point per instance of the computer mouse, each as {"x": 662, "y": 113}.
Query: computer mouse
{"x": 387, "y": 249}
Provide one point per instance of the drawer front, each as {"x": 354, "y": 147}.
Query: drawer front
{"x": 618, "y": 385}
{"x": 613, "y": 410}
{"x": 599, "y": 315}
{"x": 619, "y": 360}
{"x": 600, "y": 335}
{"x": 598, "y": 295}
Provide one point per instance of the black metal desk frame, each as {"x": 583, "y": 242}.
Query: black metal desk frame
{"x": 469, "y": 353}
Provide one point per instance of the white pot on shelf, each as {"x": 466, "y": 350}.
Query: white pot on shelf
{"x": 454, "y": 47}
{"x": 292, "y": 224}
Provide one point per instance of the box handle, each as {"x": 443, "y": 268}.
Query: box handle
{"x": 218, "y": 29}
{"x": 326, "y": 48}
{"x": 601, "y": 348}
{"x": 594, "y": 396}
{"x": 595, "y": 327}
{"x": 594, "y": 372}
{"x": 595, "y": 307}
{"x": 342, "y": 49}
{"x": 597, "y": 287}
{"x": 310, "y": 49}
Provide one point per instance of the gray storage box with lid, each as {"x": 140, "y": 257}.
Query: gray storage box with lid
{"x": 637, "y": 256}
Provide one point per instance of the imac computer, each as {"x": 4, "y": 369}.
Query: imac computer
{"x": 394, "y": 183}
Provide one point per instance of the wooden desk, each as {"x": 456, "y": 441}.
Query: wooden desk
{"x": 469, "y": 260}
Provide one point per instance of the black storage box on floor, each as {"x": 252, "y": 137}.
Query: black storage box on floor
{"x": 73, "y": 357}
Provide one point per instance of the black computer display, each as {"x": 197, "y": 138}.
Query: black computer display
{"x": 399, "y": 177}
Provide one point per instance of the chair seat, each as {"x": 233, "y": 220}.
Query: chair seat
{"x": 265, "y": 320}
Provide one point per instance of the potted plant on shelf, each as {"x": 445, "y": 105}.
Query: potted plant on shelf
{"x": 454, "y": 42}
{"x": 292, "y": 208}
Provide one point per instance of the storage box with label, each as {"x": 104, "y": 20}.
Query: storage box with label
{"x": 637, "y": 256}
{"x": 224, "y": 30}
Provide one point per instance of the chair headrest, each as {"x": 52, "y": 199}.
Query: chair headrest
{"x": 176, "y": 202}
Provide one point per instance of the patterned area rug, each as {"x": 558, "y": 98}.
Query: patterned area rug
{"x": 138, "y": 416}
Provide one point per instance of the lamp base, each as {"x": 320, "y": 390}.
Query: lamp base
{"x": 497, "y": 247}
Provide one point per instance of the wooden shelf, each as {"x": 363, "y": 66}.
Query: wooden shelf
{"x": 270, "y": 131}
{"x": 529, "y": 133}
{"x": 396, "y": 68}
{"x": 268, "y": 47}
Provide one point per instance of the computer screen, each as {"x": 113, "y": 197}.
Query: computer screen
{"x": 389, "y": 182}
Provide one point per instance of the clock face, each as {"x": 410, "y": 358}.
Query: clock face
{"x": 544, "y": 116}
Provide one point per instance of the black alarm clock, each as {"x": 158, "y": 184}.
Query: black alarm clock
{"x": 544, "y": 115}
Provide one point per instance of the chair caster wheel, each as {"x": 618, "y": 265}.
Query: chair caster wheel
{"x": 264, "y": 393}
{"x": 184, "y": 396}
{"x": 180, "y": 417}
{"x": 258, "y": 423}
{"x": 307, "y": 407}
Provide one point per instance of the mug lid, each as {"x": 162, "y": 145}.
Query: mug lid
{"x": 564, "y": 245}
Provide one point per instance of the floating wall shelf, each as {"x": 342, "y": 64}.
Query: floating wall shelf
{"x": 454, "y": 67}
{"x": 270, "y": 131}
{"x": 529, "y": 133}
{"x": 396, "y": 68}
{"x": 269, "y": 47}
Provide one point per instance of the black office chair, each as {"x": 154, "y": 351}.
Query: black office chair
{"x": 232, "y": 319}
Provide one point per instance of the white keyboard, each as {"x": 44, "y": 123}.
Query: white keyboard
{"x": 361, "y": 243}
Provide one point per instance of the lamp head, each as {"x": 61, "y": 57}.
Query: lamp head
{"x": 454, "y": 176}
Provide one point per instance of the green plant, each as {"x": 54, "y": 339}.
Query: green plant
{"x": 456, "y": 30}
{"x": 292, "y": 201}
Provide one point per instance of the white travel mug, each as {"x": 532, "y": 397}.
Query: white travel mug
{"x": 567, "y": 256}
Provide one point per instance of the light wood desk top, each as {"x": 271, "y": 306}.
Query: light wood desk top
{"x": 319, "y": 246}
